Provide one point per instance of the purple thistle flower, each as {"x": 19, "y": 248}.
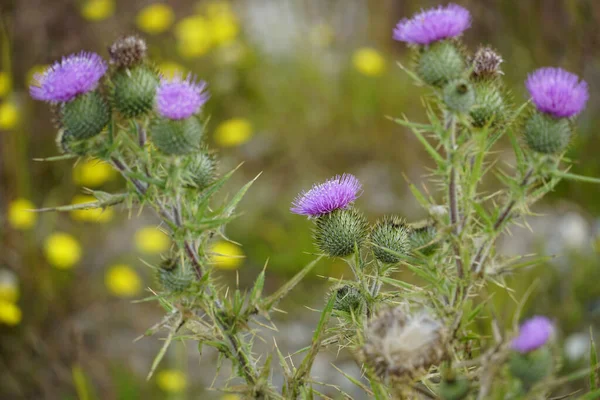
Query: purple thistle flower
{"x": 557, "y": 92}
{"x": 434, "y": 24}
{"x": 180, "y": 98}
{"x": 73, "y": 75}
{"x": 533, "y": 334}
{"x": 326, "y": 197}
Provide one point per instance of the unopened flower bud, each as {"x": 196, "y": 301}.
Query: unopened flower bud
{"x": 459, "y": 96}
{"x": 175, "y": 277}
{"x": 486, "y": 63}
{"x": 340, "y": 232}
{"x": 490, "y": 105}
{"x": 127, "y": 51}
{"x": 423, "y": 240}
{"x": 531, "y": 367}
{"x": 203, "y": 169}
{"x": 440, "y": 63}
{"x": 389, "y": 238}
{"x": 455, "y": 389}
{"x": 133, "y": 90}
{"x": 85, "y": 116}
{"x": 176, "y": 137}
{"x": 399, "y": 344}
{"x": 547, "y": 134}
{"x": 347, "y": 299}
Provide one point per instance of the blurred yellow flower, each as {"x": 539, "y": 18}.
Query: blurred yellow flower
{"x": 227, "y": 255}
{"x": 100, "y": 215}
{"x": 123, "y": 281}
{"x": 169, "y": 69}
{"x": 10, "y": 313}
{"x": 92, "y": 173}
{"x": 368, "y": 61}
{"x": 214, "y": 8}
{"x": 97, "y": 10}
{"x": 233, "y": 132}
{"x": 151, "y": 240}
{"x": 171, "y": 380}
{"x": 18, "y": 215}
{"x": 224, "y": 28}
{"x": 231, "y": 396}
{"x": 62, "y": 250}
{"x": 5, "y": 84}
{"x": 156, "y": 18}
{"x": 9, "y": 115}
{"x": 9, "y": 286}
{"x": 36, "y": 69}
{"x": 193, "y": 36}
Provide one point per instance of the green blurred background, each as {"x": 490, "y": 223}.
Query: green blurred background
{"x": 300, "y": 91}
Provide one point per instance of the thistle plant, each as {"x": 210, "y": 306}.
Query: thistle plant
{"x": 411, "y": 339}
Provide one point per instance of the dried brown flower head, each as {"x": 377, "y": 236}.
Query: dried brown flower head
{"x": 127, "y": 51}
{"x": 486, "y": 63}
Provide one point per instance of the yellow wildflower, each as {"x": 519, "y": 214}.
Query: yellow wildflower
{"x": 5, "y": 84}
{"x": 233, "y": 132}
{"x": 97, "y": 10}
{"x": 151, "y": 240}
{"x": 19, "y": 216}
{"x": 227, "y": 255}
{"x": 9, "y": 286}
{"x": 171, "y": 380}
{"x": 123, "y": 281}
{"x": 10, "y": 313}
{"x": 368, "y": 61}
{"x": 92, "y": 173}
{"x": 62, "y": 250}
{"x": 214, "y": 8}
{"x": 9, "y": 115}
{"x": 36, "y": 69}
{"x": 169, "y": 69}
{"x": 224, "y": 28}
{"x": 193, "y": 36}
{"x": 156, "y": 18}
{"x": 99, "y": 215}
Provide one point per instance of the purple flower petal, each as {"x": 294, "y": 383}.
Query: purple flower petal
{"x": 557, "y": 92}
{"x": 73, "y": 75}
{"x": 180, "y": 98}
{"x": 434, "y": 24}
{"x": 533, "y": 334}
{"x": 326, "y": 197}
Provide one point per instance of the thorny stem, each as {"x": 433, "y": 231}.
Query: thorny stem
{"x": 453, "y": 194}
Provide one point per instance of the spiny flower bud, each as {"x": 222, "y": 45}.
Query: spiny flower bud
{"x": 459, "y": 96}
{"x": 389, "y": 233}
{"x": 489, "y": 105}
{"x": 175, "y": 277}
{"x": 133, "y": 90}
{"x": 423, "y": 239}
{"x": 403, "y": 345}
{"x": 127, "y": 51}
{"x": 347, "y": 299}
{"x": 455, "y": 389}
{"x": 338, "y": 233}
{"x": 176, "y": 137}
{"x": 203, "y": 169}
{"x": 85, "y": 116}
{"x": 486, "y": 63}
{"x": 546, "y": 134}
{"x": 440, "y": 63}
{"x": 532, "y": 367}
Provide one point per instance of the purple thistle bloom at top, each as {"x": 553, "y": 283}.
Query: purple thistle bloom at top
{"x": 533, "y": 334}
{"x": 326, "y": 197}
{"x": 73, "y": 75}
{"x": 180, "y": 98}
{"x": 434, "y": 24}
{"x": 557, "y": 92}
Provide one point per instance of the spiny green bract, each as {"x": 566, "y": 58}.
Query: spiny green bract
{"x": 203, "y": 168}
{"x": 389, "y": 233}
{"x": 422, "y": 239}
{"x": 338, "y": 233}
{"x": 174, "y": 277}
{"x": 440, "y": 63}
{"x": 133, "y": 90}
{"x": 459, "y": 96}
{"x": 175, "y": 137}
{"x": 347, "y": 298}
{"x": 490, "y": 104}
{"x": 85, "y": 116}
{"x": 456, "y": 389}
{"x": 531, "y": 367}
{"x": 546, "y": 134}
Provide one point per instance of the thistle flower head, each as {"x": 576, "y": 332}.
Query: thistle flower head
{"x": 434, "y": 24}
{"x": 127, "y": 51}
{"x": 180, "y": 98}
{"x": 326, "y": 197}
{"x": 557, "y": 92}
{"x": 73, "y": 75}
{"x": 533, "y": 334}
{"x": 401, "y": 344}
{"x": 486, "y": 63}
